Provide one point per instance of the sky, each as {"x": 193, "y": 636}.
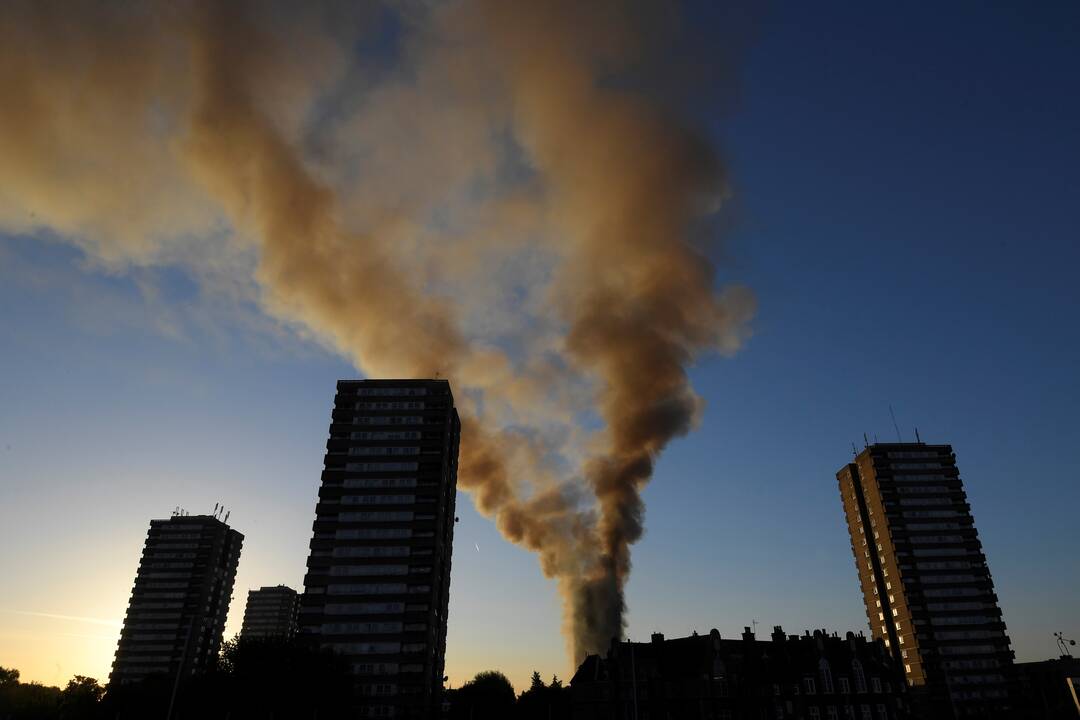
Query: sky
{"x": 903, "y": 206}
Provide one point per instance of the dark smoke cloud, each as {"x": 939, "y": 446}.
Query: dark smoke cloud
{"x": 503, "y": 204}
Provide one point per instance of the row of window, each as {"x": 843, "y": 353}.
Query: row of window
{"x": 967, "y": 634}
{"x": 922, "y": 527}
{"x": 925, "y": 501}
{"x": 390, "y": 405}
{"x": 967, "y": 649}
{"x": 391, "y": 391}
{"x": 374, "y": 533}
{"x": 940, "y": 552}
{"x": 832, "y": 713}
{"x": 385, "y": 450}
{"x": 373, "y": 551}
{"x": 372, "y": 589}
{"x": 953, "y": 592}
{"x": 386, "y": 499}
{"x": 976, "y": 605}
{"x": 383, "y": 467}
{"x": 930, "y": 513}
{"x": 942, "y": 579}
{"x": 962, "y": 620}
{"x": 354, "y": 570}
{"x": 947, "y": 565}
{"x": 377, "y": 648}
{"x": 410, "y": 482}
{"x": 385, "y": 435}
{"x": 362, "y": 628}
{"x": 922, "y": 489}
{"x": 387, "y": 420}
{"x": 919, "y": 478}
{"x": 384, "y": 608}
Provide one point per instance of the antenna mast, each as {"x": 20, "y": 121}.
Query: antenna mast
{"x": 895, "y": 426}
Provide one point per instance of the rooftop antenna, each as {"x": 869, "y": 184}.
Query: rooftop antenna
{"x": 1063, "y": 644}
{"x": 854, "y": 451}
{"x": 897, "y": 427}
{"x": 215, "y": 509}
{"x": 865, "y": 440}
{"x": 226, "y": 517}
{"x": 917, "y": 438}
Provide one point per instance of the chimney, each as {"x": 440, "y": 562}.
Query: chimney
{"x": 657, "y": 638}
{"x": 747, "y": 635}
{"x": 777, "y": 634}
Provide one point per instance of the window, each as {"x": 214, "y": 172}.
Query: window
{"x": 832, "y": 714}
{"x": 811, "y": 687}
{"x": 826, "y": 676}
{"x": 815, "y": 714}
{"x": 860, "y": 679}
{"x": 876, "y": 684}
{"x": 866, "y": 714}
{"x": 845, "y": 686}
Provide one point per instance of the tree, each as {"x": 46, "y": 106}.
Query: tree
{"x": 8, "y": 676}
{"x": 80, "y": 698}
{"x": 488, "y": 696}
{"x": 544, "y": 702}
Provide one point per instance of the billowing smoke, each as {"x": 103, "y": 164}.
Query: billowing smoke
{"x": 488, "y": 190}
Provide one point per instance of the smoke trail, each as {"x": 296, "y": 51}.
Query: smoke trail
{"x": 494, "y": 199}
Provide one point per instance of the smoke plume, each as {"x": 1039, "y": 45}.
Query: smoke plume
{"x": 494, "y": 191}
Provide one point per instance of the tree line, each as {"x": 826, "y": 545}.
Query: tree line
{"x": 264, "y": 680}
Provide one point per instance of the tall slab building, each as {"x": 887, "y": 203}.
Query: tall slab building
{"x": 924, "y": 577}
{"x": 271, "y": 612}
{"x": 176, "y": 616}
{"x": 377, "y": 587}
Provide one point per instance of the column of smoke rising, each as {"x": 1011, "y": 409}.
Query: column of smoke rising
{"x": 621, "y": 180}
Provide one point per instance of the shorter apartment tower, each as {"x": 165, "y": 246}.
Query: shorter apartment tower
{"x": 925, "y": 583}
{"x": 271, "y": 612}
{"x": 176, "y": 616}
{"x": 818, "y": 676}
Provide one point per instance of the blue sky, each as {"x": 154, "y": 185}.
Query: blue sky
{"x": 905, "y": 200}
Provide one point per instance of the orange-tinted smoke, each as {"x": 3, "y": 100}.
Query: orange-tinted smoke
{"x": 138, "y": 127}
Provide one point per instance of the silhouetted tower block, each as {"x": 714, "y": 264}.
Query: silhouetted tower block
{"x": 271, "y": 612}
{"x": 378, "y": 582}
{"x": 180, "y": 600}
{"x": 924, "y": 578}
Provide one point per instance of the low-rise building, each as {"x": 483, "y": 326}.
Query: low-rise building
{"x": 816, "y": 676}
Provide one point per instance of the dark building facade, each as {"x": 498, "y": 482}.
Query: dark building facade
{"x": 180, "y": 600}
{"x": 1049, "y": 690}
{"x": 377, "y": 587}
{"x": 705, "y": 677}
{"x": 271, "y": 612}
{"x": 924, "y": 578}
